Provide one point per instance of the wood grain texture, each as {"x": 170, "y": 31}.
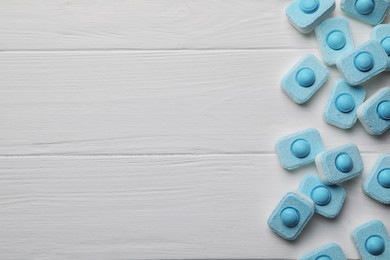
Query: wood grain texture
{"x": 152, "y": 207}
{"x": 145, "y": 130}
{"x": 189, "y": 102}
{"x": 149, "y": 24}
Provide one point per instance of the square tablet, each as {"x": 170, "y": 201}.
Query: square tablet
{"x": 377, "y": 183}
{"x": 343, "y": 103}
{"x": 339, "y": 164}
{"x": 291, "y": 215}
{"x": 298, "y": 149}
{"x": 328, "y": 199}
{"x": 374, "y": 113}
{"x": 335, "y": 39}
{"x": 305, "y": 15}
{"x": 305, "y": 79}
{"x": 372, "y": 241}
{"x": 363, "y": 63}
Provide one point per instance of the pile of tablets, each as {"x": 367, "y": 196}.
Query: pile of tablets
{"x": 323, "y": 193}
{"x": 357, "y": 64}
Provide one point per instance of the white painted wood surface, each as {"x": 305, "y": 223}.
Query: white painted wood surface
{"x": 145, "y": 130}
{"x": 150, "y": 24}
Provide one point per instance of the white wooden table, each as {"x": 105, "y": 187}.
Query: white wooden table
{"x": 145, "y": 129}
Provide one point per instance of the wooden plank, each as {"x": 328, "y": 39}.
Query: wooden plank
{"x": 189, "y": 102}
{"x": 149, "y": 24}
{"x": 149, "y": 207}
